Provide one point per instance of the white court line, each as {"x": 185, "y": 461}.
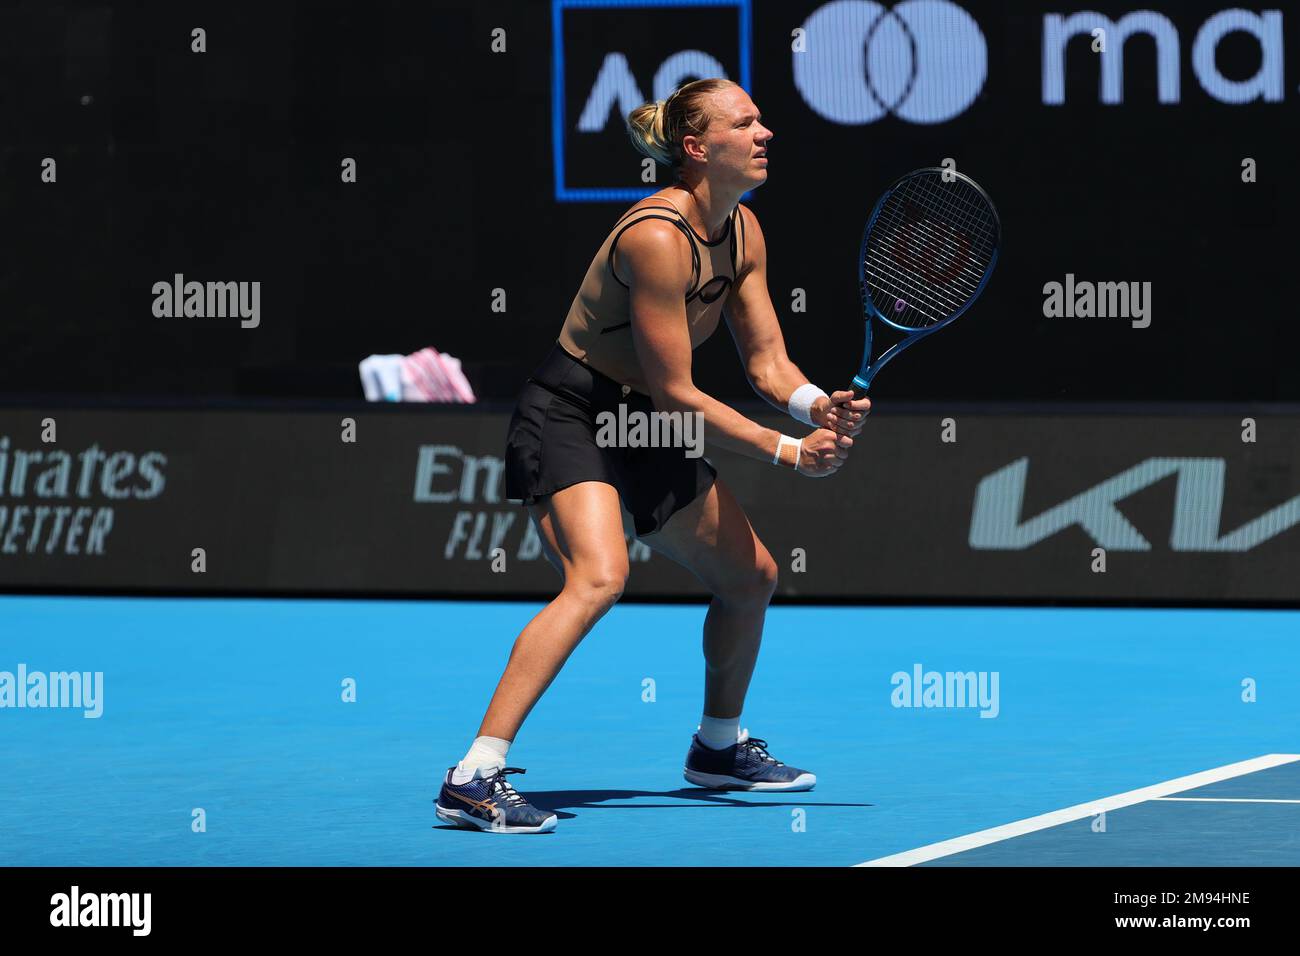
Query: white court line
{"x": 1224, "y": 800}
{"x": 1068, "y": 815}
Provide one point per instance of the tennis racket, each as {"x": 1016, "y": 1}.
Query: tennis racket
{"x": 927, "y": 252}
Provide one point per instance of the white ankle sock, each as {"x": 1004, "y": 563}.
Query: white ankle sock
{"x": 718, "y": 733}
{"x": 486, "y": 752}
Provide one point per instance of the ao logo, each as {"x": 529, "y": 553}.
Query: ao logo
{"x": 616, "y": 84}
{"x": 925, "y": 61}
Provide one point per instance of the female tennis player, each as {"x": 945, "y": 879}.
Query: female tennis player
{"x": 671, "y": 267}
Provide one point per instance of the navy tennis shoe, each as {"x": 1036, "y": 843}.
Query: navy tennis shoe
{"x": 746, "y": 765}
{"x": 490, "y": 803}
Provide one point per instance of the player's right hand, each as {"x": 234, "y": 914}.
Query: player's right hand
{"x": 823, "y": 453}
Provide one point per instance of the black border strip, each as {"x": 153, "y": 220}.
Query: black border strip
{"x": 186, "y": 594}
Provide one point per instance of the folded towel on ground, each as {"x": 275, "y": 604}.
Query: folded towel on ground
{"x": 423, "y": 376}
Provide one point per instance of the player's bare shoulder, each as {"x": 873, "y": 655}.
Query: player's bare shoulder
{"x": 751, "y": 241}
{"x": 652, "y": 246}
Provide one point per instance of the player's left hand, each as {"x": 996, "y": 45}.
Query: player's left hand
{"x": 842, "y": 414}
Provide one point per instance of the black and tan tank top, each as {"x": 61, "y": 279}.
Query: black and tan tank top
{"x": 598, "y": 328}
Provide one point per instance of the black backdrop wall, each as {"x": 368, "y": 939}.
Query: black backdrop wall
{"x": 225, "y": 166}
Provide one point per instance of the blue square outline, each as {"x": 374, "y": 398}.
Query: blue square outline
{"x": 564, "y": 193}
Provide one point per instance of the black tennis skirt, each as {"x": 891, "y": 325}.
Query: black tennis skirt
{"x": 551, "y": 444}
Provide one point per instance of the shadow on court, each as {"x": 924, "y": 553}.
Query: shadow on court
{"x": 561, "y": 800}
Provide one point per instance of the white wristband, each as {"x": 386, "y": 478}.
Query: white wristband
{"x": 787, "y": 440}
{"x": 801, "y": 402}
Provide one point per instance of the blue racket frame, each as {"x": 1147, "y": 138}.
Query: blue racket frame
{"x": 868, "y": 369}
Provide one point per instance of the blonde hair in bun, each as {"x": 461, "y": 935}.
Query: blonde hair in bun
{"x": 657, "y": 129}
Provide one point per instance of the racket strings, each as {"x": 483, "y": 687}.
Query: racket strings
{"x": 891, "y": 286}
{"x": 929, "y": 250}
{"x": 957, "y": 203}
{"x": 937, "y": 240}
{"x": 921, "y": 268}
{"x": 895, "y": 283}
{"x": 925, "y": 205}
{"x": 931, "y": 261}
